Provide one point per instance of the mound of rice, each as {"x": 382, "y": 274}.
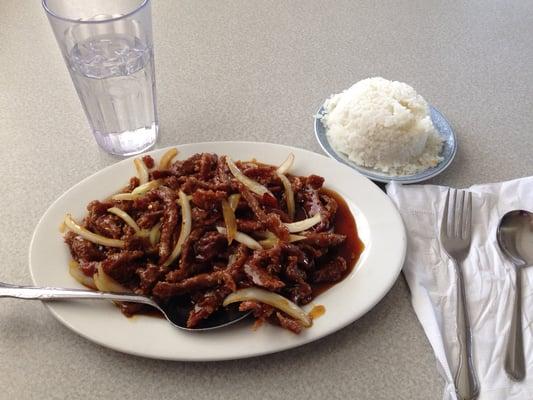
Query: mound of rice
{"x": 384, "y": 125}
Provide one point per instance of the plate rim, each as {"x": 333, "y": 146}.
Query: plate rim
{"x": 390, "y": 281}
{"x": 407, "y": 179}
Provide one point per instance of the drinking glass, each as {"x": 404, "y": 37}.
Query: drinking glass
{"x": 107, "y": 46}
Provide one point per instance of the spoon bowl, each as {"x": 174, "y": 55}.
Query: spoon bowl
{"x": 177, "y": 314}
{"x": 515, "y": 238}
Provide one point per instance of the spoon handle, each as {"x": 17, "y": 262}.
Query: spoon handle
{"x": 50, "y": 293}
{"x": 514, "y": 358}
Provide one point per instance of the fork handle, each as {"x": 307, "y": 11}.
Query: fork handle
{"x": 465, "y": 380}
{"x": 514, "y": 358}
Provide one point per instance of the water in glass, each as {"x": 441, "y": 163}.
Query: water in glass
{"x": 114, "y": 76}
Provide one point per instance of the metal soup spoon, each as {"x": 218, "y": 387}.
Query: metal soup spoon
{"x": 176, "y": 313}
{"x": 515, "y": 238}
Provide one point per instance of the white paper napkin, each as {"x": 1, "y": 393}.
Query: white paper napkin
{"x": 489, "y": 282}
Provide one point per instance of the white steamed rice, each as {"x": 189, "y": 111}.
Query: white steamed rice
{"x": 384, "y": 125}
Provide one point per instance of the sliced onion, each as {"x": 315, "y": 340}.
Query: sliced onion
{"x": 231, "y": 259}
{"x": 229, "y": 220}
{"x": 125, "y": 196}
{"x": 76, "y": 272}
{"x": 234, "y": 201}
{"x": 155, "y": 234}
{"x": 289, "y": 195}
{"x": 125, "y": 217}
{"x": 105, "y": 283}
{"x": 266, "y": 234}
{"x": 254, "y": 186}
{"x": 286, "y": 165}
{"x": 272, "y": 299}
{"x": 304, "y": 224}
{"x": 268, "y": 243}
{"x": 129, "y": 220}
{"x": 272, "y": 241}
{"x": 146, "y": 187}
{"x": 142, "y": 171}
{"x": 189, "y": 197}
{"x": 186, "y": 224}
{"x": 242, "y": 238}
{"x": 165, "y": 161}
{"x": 296, "y": 238}
{"x": 91, "y": 236}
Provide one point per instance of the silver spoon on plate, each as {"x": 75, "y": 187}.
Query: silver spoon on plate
{"x": 515, "y": 238}
{"x": 174, "y": 312}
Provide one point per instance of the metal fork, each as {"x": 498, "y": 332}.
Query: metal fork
{"x": 455, "y": 236}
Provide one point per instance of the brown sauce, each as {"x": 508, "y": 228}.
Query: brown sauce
{"x": 317, "y": 312}
{"x": 352, "y": 247}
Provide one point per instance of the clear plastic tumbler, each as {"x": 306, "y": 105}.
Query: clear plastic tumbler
{"x": 107, "y": 46}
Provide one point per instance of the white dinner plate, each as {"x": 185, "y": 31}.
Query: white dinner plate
{"x": 379, "y": 225}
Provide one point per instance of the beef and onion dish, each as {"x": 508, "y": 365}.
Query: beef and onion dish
{"x": 208, "y": 231}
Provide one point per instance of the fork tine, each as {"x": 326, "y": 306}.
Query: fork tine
{"x": 453, "y": 222}
{"x": 467, "y": 227}
{"x": 444, "y": 221}
{"x": 459, "y": 225}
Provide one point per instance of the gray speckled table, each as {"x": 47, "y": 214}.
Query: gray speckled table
{"x": 254, "y": 70}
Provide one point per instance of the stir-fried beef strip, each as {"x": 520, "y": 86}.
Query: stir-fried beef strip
{"x": 324, "y": 239}
{"x": 260, "y": 277}
{"x": 83, "y": 250}
{"x": 262, "y": 312}
{"x": 169, "y": 221}
{"x": 208, "y": 267}
{"x": 164, "y": 290}
{"x": 134, "y": 182}
{"x": 209, "y": 246}
{"x": 271, "y": 221}
{"x": 150, "y": 218}
{"x": 301, "y": 292}
{"x": 148, "y": 161}
{"x": 149, "y": 275}
{"x": 331, "y": 272}
{"x": 250, "y": 226}
{"x": 288, "y": 323}
{"x": 207, "y": 305}
{"x": 122, "y": 266}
